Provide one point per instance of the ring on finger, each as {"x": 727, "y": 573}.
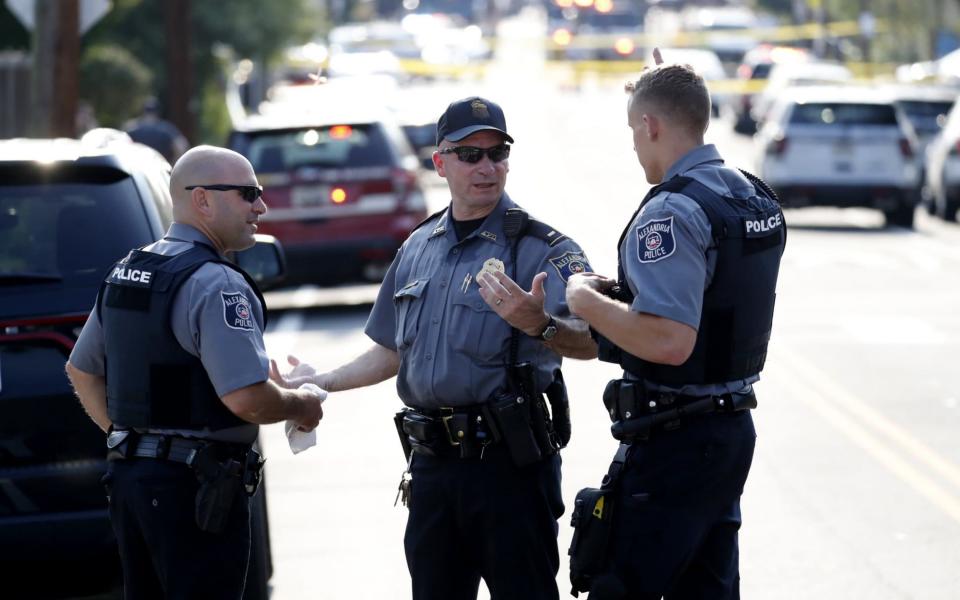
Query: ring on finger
{"x": 499, "y": 301}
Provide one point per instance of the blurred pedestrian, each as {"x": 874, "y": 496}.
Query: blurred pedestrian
{"x": 161, "y": 135}
{"x": 181, "y": 330}
{"x": 688, "y": 319}
{"x": 471, "y": 318}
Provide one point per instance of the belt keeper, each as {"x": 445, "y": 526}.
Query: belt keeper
{"x": 163, "y": 447}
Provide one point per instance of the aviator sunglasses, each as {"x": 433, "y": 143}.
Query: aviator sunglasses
{"x": 249, "y": 193}
{"x": 472, "y": 154}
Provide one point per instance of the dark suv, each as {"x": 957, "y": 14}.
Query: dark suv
{"x": 67, "y": 212}
{"x": 342, "y": 186}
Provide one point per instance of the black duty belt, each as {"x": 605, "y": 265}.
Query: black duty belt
{"x": 449, "y": 431}
{"x": 637, "y": 411}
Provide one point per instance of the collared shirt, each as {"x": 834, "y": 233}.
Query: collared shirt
{"x": 672, "y": 284}
{"x": 453, "y": 347}
{"x": 233, "y": 358}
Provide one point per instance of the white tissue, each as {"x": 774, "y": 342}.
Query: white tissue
{"x": 301, "y": 440}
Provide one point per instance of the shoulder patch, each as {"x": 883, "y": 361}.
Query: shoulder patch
{"x": 655, "y": 240}
{"x": 237, "y": 313}
{"x": 570, "y": 263}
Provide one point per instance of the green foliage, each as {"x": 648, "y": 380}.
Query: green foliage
{"x": 114, "y": 82}
{"x": 251, "y": 28}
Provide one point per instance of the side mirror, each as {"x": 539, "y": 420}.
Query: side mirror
{"x": 264, "y": 261}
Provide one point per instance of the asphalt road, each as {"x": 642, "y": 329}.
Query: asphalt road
{"x": 855, "y": 488}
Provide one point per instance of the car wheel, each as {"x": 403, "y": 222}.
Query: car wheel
{"x": 948, "y": 210}
{"x": 902, "y": 216}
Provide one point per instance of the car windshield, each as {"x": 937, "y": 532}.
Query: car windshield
{"x": 830, "y": 113}
{"x": 611, "y": 19}
{"x": 66, "y": 227}
{"x": 926, "y": 117}
{"x": 333, "y": 146}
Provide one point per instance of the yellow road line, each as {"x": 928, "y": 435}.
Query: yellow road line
{"x": 873, "y": 432}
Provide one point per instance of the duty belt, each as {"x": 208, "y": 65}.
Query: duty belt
{"x": 447, "y": 431}
{"x": 202, "y": 456}
{"x": 637, "y": 411}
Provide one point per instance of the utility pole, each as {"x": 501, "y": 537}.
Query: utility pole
{"x": 179, "y": 34}
{"x": 56, "y": 59}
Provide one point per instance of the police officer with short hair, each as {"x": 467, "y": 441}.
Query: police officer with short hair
{"x": 688, "y": 319}
{"x": 475, "y": 353}
{"x": 171, "y": 363}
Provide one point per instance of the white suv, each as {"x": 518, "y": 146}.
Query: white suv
{"x": 840, "y": 146}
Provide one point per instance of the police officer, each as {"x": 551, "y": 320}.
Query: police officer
{"x": 171, "y": 363}
{"x": 161, "y": 135}
{"x": 689, "y": 323}
{"x": 472, "y": 320}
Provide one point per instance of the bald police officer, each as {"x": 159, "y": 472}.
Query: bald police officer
{"x": 689, "y": 324}
{"x": 171, "y": 363}
{"x": 472, "y": 320}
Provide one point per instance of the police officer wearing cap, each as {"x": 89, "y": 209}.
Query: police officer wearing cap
{"x": 171, "y": 363}
{"x": 472, "y": 320}
{"x": 688, "y": 319}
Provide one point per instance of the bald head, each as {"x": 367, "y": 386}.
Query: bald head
{"x": 208, "y": 165}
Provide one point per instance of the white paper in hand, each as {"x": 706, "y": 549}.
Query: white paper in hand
{"x": 301, "y": 440}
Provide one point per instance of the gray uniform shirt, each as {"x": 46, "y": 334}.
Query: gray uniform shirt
{"x": 453, "y": 347}
{"x": 232, "y": 357}
{"x": 668, "y": 255}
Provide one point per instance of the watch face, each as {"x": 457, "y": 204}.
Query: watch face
{"x": 550, "y": 331}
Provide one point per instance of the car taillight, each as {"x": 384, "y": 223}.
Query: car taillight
{"x": 338, "y": 195}
{"x": 905, "y": 148}
{"x": 624, "y": 46}
{"x": 777, "y": 145}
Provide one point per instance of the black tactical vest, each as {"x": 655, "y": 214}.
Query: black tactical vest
{"x": 152, "y": 382}
{"x": 750, "y": 235}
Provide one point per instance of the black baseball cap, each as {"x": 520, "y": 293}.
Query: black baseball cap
{"x": 471, "y": 115}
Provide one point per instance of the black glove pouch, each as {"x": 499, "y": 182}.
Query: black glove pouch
{"x": 591, "y": 520}
{"x": 220, "y": 486}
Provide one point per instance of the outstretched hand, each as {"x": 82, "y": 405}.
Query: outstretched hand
{"x": 521, "y": 309}
{"x": 300, "y": 374}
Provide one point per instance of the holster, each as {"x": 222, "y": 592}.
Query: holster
{"x": 220, "y": 485}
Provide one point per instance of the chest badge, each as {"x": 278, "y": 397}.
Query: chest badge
{"x": 491, "y": 265}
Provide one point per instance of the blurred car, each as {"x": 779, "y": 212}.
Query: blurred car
{"x": 705, "y": 62}
{"x": 724, "y": 29}
{"x": 609, "y": 29}
{"x": 943, "y": 168}
{"x": 927, "y": 107}
{"x": 840, "y": 146}
{"x": 753, "y": 73}
{"x": 341, "y": 183}
{"x": 787, "y": 75}
{"x": 68, "y": 211}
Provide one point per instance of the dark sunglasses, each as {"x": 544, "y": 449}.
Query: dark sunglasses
{"x": 249, "y": 193}
{"x": 472, "y": 154}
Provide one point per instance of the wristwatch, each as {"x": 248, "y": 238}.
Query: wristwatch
{"x": 550, "y": 330}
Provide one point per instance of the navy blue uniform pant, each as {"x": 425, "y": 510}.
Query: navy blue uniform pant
{"x": 678, "y": 513}
{"x": 162, "y": 551}
{"x": 473, "y": 518}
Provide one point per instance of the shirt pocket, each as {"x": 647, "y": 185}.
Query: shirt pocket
{"x": 476, "y": 330}
{"x": 409, "y": 304}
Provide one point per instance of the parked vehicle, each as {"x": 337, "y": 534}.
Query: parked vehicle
{"x": 68, "y": 211}
{"x": 840, "y": 146}
{"x": 753, "y": 73}
{"x": 943, "y": 168}
{"x": 341, "y": 182}
{"x": 787, "y": 75}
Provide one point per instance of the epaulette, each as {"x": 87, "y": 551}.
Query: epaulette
{"x": 428, "y": 219}
{"x": 541, "y": 230}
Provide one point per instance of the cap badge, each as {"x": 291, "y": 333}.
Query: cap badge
{"x": 480, "y": 109}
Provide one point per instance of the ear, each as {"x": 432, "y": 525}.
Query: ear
{"x": 438, "y": 163}
{"x": 652, "y": 126}
{"x": 200, "y": 200}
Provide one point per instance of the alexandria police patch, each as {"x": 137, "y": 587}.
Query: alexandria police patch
{"x": 236, "y": 311}
{"x": 656, "y": 240}
{"x": 570, "y": 263}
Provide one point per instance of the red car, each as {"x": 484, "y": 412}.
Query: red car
{"x": 342, "y": 190}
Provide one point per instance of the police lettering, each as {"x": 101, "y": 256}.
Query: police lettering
{"x": 763, "y": 225}
{"x": 123, "y": 274}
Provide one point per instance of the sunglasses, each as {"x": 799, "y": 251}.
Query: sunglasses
{"x": 249, "y": 193}
{"x": 472, "y": 154}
